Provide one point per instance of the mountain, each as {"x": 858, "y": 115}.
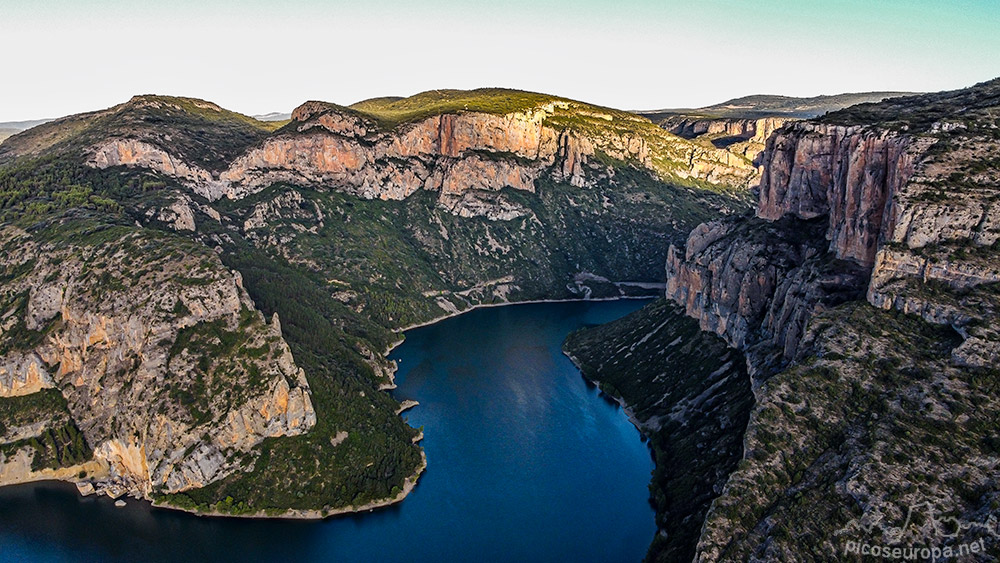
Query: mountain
{"x": 863, "y": 291}
{"x": 197, "y": 303}
{"x": 743, "y": 125}
{"x": 10, "y": 128}
{"x": 764, "y": 105}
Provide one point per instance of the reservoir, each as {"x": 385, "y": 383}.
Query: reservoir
{"x": 526, "y": 462}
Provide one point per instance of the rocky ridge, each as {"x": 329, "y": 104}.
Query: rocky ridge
{"x": 149, "y": 379}
{"x": 453, "y": 154}
{"x": 895, "y": 203}
{"x": 880, "y": 202}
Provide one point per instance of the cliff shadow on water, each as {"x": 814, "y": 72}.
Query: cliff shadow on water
{"x": 689, "y": 394}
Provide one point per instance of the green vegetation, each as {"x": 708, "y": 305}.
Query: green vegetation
{"x": 691, "y": 396}
{"x": 390, "y": 112}
{"x": 28, "y": 410}
{"x": 918, "y": 113}
{"x": 341, "y": 272}
{"x": 60, "y": 443}
{"x": 306, "y": 472}
{"x": 199, "y": 132}
{"x": 877, "y": 399}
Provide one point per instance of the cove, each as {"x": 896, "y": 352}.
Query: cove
{"x": 526, "y": 462}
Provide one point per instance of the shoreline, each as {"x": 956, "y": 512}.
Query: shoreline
{"x": 409, "y": 484}
{"x": 447, "y": 316}
{"x": 644, "y": 432}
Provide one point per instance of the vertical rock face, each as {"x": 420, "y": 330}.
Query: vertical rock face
{"x": 747, "y": 129}
{"x": 849, "y": 174}
{"x": 330, "y": 147}
{"x": 165, "y": 366}
{"x": 23, "y": 374}
{"x": 885, "y": 203}
{"x": 756, "y": 283}
{"x": 741, "y": 136}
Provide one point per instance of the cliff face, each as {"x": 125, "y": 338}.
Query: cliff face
{"x": 880, "y": 203}
{"x": 884, "y": 200}
{"x": 744, "y": 137}
{"x": 848, "y": 174}
{"x": 165, "y": 366}
{"x": 756, "y": 284}
{"x": 326, "y": 146}
{"x": 750, "y": 129}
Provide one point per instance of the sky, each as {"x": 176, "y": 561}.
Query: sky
{"x": 258, "y": 56}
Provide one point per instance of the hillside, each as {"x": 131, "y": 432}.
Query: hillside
{"x": 763, "y": 105}
{"x": 11, "y": 128}
{"x": 341, "y": 226}
{"x": 196, "y": 131}
{"x": 863, "y": 291}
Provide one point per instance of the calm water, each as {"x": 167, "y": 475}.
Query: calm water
{"x": 526, "y": 463}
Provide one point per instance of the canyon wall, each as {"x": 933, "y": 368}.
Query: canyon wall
{"x": 865, "y": 291}
{"x": 741, "y": 136}
{"x": 165, "y": 366}
{"x": 757, "y": 130}
{"x": 879, "y": 197}
{"x": 328, "y": 146}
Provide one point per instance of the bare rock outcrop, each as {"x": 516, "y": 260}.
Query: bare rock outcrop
{"x": 756, "y": 284}
{"x": 899, "y": 205}
{"x": 166, "y": 367}
{"x": 903, "y": 212}
{"x": 330, "y": 147}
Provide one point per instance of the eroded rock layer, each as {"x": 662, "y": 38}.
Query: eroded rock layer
{"x": 171, "y": 388}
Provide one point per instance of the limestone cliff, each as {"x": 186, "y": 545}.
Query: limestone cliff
{"x": 756, "y": 284}
{"x": 452, "y": 153}
{"x": 166, "y": 367}
{"x": 744, "y": 136}
{"x": 901, "y": 205}
{"x": 897, "y": 203}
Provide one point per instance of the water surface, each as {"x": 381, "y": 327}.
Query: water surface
{"x": 525, "y": 463}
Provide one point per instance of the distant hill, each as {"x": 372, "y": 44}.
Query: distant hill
{"x": 9, "y": 128}
{"x": 764, "y": 105}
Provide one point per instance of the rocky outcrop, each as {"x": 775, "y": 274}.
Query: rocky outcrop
{"x": 756, "y": 130}
{"x": 756, "y": 284}
{"x": 138, "y": 154}
{"x": 23, "y": 374}
{"x": 879, "y": 194}
{"x": 168, "y": 370}
{"x": 331, "y": 147}
{"x": 848, "y": 174}
{"x": 906, "y": 212}
{"x": 743, "y": 137}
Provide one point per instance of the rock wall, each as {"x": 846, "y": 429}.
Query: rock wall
{"x": 756, "y": 283}
{"x": 755, "y": 130}
{"x": 166, "y": 367}
{"x": 331, "y": 147}
{"x": 849, "y": 174}
{"x": 880, "y": 196}
{"x": 913, "y": 207}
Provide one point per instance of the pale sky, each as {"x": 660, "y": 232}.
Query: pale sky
{"x": 255, "y": 56}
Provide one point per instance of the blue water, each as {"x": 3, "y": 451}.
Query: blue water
{"x": 525, "y": 463}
